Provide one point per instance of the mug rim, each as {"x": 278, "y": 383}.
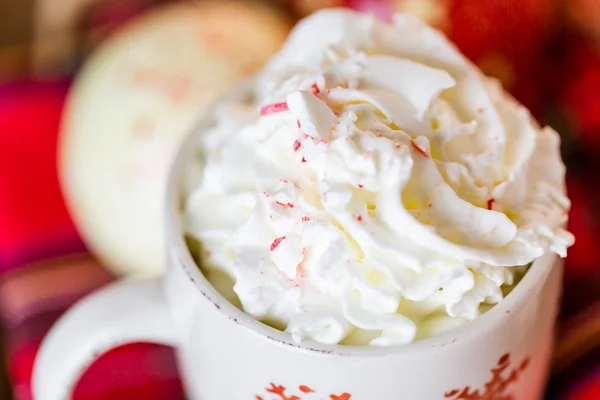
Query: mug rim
{"x": 179, "y": 251}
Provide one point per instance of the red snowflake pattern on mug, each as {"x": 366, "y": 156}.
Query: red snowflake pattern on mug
{"x": 503, "y": 378}
{"x": 304, "y": 393}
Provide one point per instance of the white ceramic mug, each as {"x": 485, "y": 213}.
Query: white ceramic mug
{"x": 225, "y": 354}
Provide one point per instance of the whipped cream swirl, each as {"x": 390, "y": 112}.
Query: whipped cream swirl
{"x": 380, "y": 185}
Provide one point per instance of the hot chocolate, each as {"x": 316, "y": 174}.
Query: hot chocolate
{"x": 380, "y": 189}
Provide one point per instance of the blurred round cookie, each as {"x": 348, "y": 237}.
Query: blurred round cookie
{"x": 134, "y": 101}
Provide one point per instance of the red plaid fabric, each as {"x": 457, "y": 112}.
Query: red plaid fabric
{"x": 34, "y": 221}
{"x": 43, "y": 264}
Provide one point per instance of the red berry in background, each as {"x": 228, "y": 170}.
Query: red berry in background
{"x": 583, "y": 256}
{"x": 581, "y": 97}
{"x": 513, "y": 27}
{"x": 506, "y": 39}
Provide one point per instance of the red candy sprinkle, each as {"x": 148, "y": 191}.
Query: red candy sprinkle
{"x": 359, "y": 218}
{"x": 297, "y": 145}
{"x": 360, "y": 186}
{"x": 298, "y": 123}
{"x": 276, "y": 242}
{"x": 418, "y": 149}
{"x": 273, "y": 108}
{"x": 286, "y": 205}
{"x": 305, "y": 219}
{"x": 303, "y": 159}
{"x": 315, "y": 89}
{"x": 490, "y": 203}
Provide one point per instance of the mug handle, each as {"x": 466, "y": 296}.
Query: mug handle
{"x": 122, "y": 312}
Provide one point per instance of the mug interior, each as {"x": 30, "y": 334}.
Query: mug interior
{"x": 179, "y": 186}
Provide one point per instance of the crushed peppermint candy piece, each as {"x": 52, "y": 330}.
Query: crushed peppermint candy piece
{"x": 276, "y": 242}
{"x": 274, "y": 108}
{"x": 418, "y": 149}
{"x": 315, "y": 89}
{"x": 286, "y": 205}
